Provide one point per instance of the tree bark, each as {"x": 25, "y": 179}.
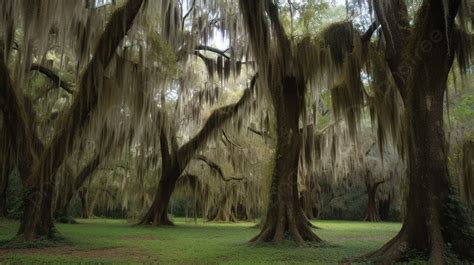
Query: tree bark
{"x": 306, "y": 199}
{"x": 432, "y": 221}
{"x": 84, "y": 195}
{"x": 285, "y": 217}
{"x": 225, "y": 212}
{"x": 158, "y": 212}
{"x": 66, "y": 197}
{"x": 37, "y": 221}
{"x": 371, "y": 213}
{"x": 93, "y": 204}
{"x": 3, "y": 193}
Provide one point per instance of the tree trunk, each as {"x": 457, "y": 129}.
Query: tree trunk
{"x": 285, "y": 218}
{"x": 158, "y": 212}
{"x": 224, "y": 211}
{"x": 434, "y": 220}
{"x": 307, "y": 204}
{"x": 93, "y": 204}
{"x": 371, "y": 213}
{"x": 37, "y": 220}
{"x": 84, "y": 195}
{"x": 61, "y": 214}
{"x": 3, "y": 193}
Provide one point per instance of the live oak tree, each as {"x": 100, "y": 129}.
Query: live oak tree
{"x": 288, "y": 68}
{"x": 420, "y": 56}
{"x": 39, "y": 164}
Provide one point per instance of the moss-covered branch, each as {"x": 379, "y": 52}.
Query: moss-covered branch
{"x": 214, "y": 166}
{"x": 218, "y": 118}
{"x": 87, "y": 96}
{"x": 53, "y": 76}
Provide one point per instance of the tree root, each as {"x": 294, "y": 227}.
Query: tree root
{"x": 153, "y": 219}
{"x": 390, "y": 253}
{"x": 282, "y": 229}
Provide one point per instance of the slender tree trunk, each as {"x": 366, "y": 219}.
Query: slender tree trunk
{"x": 306, "y": 199}
{"x": 84, "y": 195}
{"x": 371, "y": 213}
{"x": 3, "y": 193}
{"x": 284, "y": 217}
{"x": 93, "y": 204}
{"x": 61, "y": 214}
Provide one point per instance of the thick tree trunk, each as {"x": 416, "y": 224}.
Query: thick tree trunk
{"x": 158, "y": 212}
{"x": 371, "y": 213}
{"x": 84, "y": 195}
{"x": 37, "y": 221}
{"x": 285, "y": 218}
{"x": 433, "y": 219}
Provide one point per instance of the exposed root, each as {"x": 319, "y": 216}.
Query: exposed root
{"x": 286, "y": 228}
{"x": 390, "y": 253}
{"x": 156, "y": 219}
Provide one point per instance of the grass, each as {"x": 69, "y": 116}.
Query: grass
{"x": 116, "y": 241}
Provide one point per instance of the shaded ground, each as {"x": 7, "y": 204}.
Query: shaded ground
{"x": 112, "y": 241}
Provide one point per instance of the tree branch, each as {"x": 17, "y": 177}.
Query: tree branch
{"x": 368, "y": 34}
{"x": 230, "y": 141}
{"x": 395, "y": 28}
{"x": 212, "y": 49}
{"x": 261, "y": 133}
{"x": 187, "y": 14}
{"x": 87, "y": 96}
{"x": 214, "y": 166}
{"x": 53, "y": 76}
{"x": 218, "y": 118}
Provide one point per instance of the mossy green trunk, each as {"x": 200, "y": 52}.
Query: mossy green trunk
{"x": 285, "y": 218}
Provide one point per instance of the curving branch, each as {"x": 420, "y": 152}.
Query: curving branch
{"x": 212, "y": 49}
{"x": 261, "y": 133}
{"x": 214, "y": 166}
{"x": 218, "y": 118}
{"x": 230, "y": 141}
{"x": 187, "y": 14}
{"x": 87, "y": 95}
{"x": 370, "y": 31}
{"x": 53, "y": 76}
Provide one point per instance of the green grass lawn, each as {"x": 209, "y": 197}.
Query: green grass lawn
{"x": 116, "y": 241}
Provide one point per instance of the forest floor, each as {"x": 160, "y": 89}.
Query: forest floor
{"x": 116, "y": 241}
